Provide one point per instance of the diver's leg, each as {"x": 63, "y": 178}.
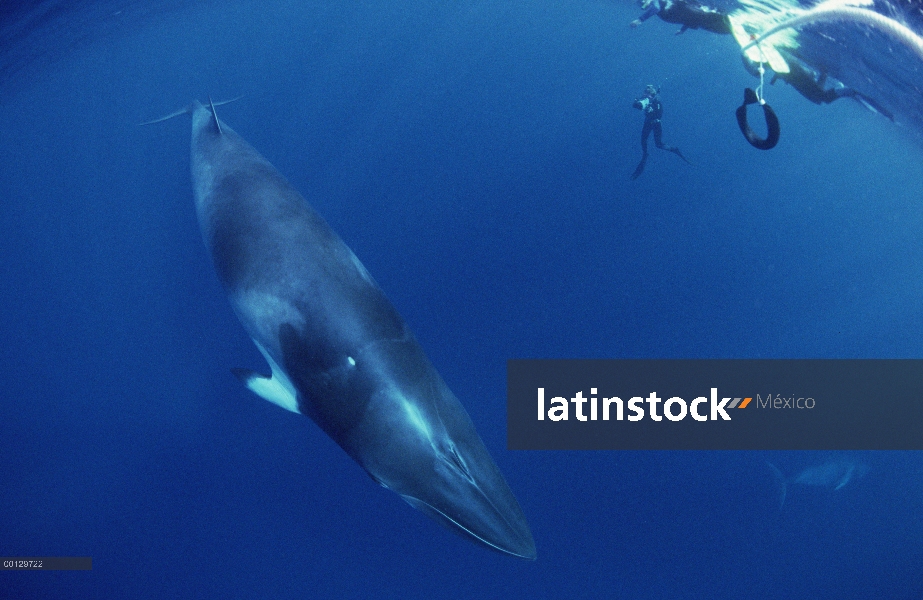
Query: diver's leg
{"x": 645, "y": 133}
{"x": 658, "y": 139}
{"x": 658, "y": 136}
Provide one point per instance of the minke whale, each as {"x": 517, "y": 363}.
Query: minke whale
{"x": 338, "y": 350}
{"x": 833, "y": 475}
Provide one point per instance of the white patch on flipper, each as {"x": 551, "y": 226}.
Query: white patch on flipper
{"x": 278, "y": 389}
{"x": 270, "y": 389}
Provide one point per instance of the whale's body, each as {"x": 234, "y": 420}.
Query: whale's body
{"x": 339, "y": 351}
{"x": 832, "y": 475}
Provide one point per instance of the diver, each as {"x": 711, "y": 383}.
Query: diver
{"x": 812, "y": 84}
{"x": 688, "y": 13}
{"x": 653, "y": 111}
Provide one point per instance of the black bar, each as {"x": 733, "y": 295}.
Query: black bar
{"x": 46, "y": 563}
{"x": 816, "y": 404}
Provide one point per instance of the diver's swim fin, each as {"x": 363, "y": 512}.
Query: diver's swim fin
{"x": 639, "y": 169}
{"x": 676, "y": 151}
{"x": 874, "y": 106}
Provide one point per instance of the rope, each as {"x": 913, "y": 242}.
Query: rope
{"x": 762, "y": 72}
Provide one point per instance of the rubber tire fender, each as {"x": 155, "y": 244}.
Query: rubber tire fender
{"x": 772, "y": 123}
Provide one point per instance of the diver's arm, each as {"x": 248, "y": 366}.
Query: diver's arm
{"x": 652, "y": 10}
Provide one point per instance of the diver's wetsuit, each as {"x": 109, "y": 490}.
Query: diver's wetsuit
{"x": 688, "y": 13}
{"x": 812, "y": 83}
{"x": 653, "y": 112}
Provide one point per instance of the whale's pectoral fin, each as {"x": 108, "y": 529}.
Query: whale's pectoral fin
{"x": 780, "y": 482}
{"x": 847, "y": 477}
{"x": 268, "y": 388}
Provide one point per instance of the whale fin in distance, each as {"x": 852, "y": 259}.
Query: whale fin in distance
{"x": 781, "y": 482}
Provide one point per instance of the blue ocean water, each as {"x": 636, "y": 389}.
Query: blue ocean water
{"x": 475, "y": 156}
